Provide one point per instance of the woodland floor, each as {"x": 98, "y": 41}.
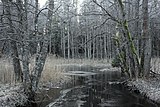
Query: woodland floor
{"x": 12, "y": 95}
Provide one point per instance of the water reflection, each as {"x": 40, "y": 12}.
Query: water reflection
{"x": 99, "y": 89}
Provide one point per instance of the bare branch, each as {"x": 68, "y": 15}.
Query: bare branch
{"x": 112, "y": 17}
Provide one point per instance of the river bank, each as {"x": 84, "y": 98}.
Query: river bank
{"x": 149, "y": 88}
{"x": 12, "y": 95}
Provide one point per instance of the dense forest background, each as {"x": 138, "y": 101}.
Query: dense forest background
{"x": 84, "y": 33}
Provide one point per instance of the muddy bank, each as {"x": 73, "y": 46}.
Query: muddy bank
{"x": 12, "y": 95}
{"x": 149, "y": 88}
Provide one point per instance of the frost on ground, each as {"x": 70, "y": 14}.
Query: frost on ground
{"x": 111, "y": 69}
{"x": 149, "y": 88}
{"x": 11, "y": 96}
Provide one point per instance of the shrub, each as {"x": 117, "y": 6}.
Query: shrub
{"x": 116, "y": 61}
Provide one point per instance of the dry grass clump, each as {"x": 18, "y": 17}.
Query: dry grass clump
{"x": 54, "y": 68}
{"x": 6, "y": 71}
{"x": 93, "y": 62}
{"x": 53, "y": 74}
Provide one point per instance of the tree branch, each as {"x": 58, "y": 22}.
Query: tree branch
{"x": 112, "y": 17}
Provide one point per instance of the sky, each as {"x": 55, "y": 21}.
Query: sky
{"x": 42, "y": 2}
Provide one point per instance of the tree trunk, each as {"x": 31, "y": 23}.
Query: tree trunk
{"x": 41, "y": 57}
{"x": 68, "y": 32}
{"x": 15, "y": 55}
{"x": 133, "y": 56}
{"x": 137, "y": 30}
{"x": 146, "y": 41}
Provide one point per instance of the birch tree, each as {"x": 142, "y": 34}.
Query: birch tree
{"x": 42, "y": 52}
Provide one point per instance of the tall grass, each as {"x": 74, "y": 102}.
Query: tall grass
{"x": 52, "y": 73}
{"x": 6, "y": 71}
{"x": 62, "y": 61}
{"x": 53, "y": 69}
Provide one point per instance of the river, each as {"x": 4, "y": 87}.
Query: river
{"x": 94, "y": 87}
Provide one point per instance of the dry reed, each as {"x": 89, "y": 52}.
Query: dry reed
{"x": 53, "y": 71}
{"x": 6, "y": 71}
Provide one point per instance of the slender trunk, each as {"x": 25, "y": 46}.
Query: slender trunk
{"x": 64, "y": 45}
{"x": 94, "y": 45}
{"x": 68, "y": 32}
{"x": 25, "y": 63}
{"x": 22, "y": 17}
{"x": 16, "y": 62}
{"x": 137, "y": 30}
{"x": 72, "y": 46}
{"x": 105, "y": 46}
{"x": 85, "y": 46}
{"x": 146, "y": 54}
{"x": 90, "y": 48}
{"x": 40, "y": 59}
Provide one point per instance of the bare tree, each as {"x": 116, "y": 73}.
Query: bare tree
{"x": 8, "y": 22}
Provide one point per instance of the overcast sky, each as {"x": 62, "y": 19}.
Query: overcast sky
{"x": 42, "y": 2}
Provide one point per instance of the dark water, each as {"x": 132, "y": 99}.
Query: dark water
{"x": 98, "y": 89}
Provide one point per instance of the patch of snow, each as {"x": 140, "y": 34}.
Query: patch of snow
{"x": 10, "y": 96}
{"x": 109, "y": 103}
{"x": 110, "y": 69}
{"x": 116, "y": 82}
{"x": 79, "y": 73}
{"x": 147, "y": 88}
{"x": 80, "y": 103}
